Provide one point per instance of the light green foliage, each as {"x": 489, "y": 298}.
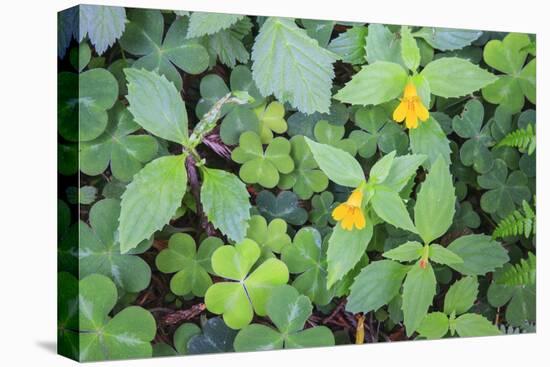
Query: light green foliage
{"x": 430, "y": 139}
{"x": 151, "y": 199}
{"x": 102, "y": 24}
{"x": 99, "y": 250}
{"x": 480, "y": 254}
{"x": 244, "y": 294}
{"x": 227, "y": 45}
{"x": 272, "y": 237}
{"x": 448, "y": 38}
{"x": 333, "y": 135}
{"x": 517, "y": 223}
{"x": 461, "y": 296}
{"x": 350, "y": 45}
{"x": 127, "y": 335}
{"x": 272, "y": 120}
{"x": 191, "y": 267}
{"x": 281, "y": 67}
{"x": 289, "y": 311}
{"x": 144, "y": 38}
{"x": 508, "y": 56}
{"x": 201, "y": 24}
{"x": 418, "y": 292}
{"x": 409, "y": 50}
{"x": 225, "y": 202}
{"x": 523, "y": 139}
{"x": 259, "y": 166}
{"x": 383, "y": 45}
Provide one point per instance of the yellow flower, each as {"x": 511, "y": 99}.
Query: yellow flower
{"x": 411, "y": 108}
{"x": 350, "y": 212}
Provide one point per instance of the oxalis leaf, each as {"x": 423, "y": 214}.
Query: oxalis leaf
{"x": 127, "y": 335}
{"x": 151, "y": 199}
{"x": 225, "y": 201}
{"x": 292, "y": 66}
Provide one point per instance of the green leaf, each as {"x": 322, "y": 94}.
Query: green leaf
{"x": 225, "y": 201}
{"x": 381, "y": 169}
{"x": 227, "y": 45}
{"x": 144, "y": 37}
{"x": 285, "y": 206}
{"x": 270, "y": 237}
{"x": 480, "y": 253}
{"x": 337, "y": 164}
{"x": 80, "y": 56}
{"x": 67, "y": 315}
{"x": 409, "y": 251}
{"x": 376, "y": 285}
{"x": 245, "y": 294}
{"x": 183, "y": 334}
{"x": 127, "y": 335}
{"x": 102, "y": 24}
{"x": 201, "y": 24}
{"x": 99, "y": 250}
{"x": 321, "y": 209}
{"x": 272, "y": 120}
{"x": 320, "y": 30}
{"x": 434, "y": 326}
{"x": 350, "y": 45}
{"x": 151, "y": 199}
{"x": 345, "y": 249}
{"x": 281, "y": 67}
{"x": 383, "y": 45}
{"x": 216, "y": 337}
{"x": 389, "y": 206}
{"x": 442, "y": 255}
{"x": 191, "y": 268}
{"x": 238, "y": 121}
{"x": 508, "y": 55}
{"x": 402, "y": 169}
{"x": 306, "y": 178}
{"x": 98, "y": 92}
{"x": 333, "y": 135}
{"x": 289, "y": 311}
{"x": 374, "y": 84}
{"x": 469, "y": 125}
{"x": 156, "y": 105}
{"x": 429, "y": 139}
{"x": 306, "y": 256}
{"x": 461, "y": 296}
{"x": 117, "y": 147}
{"x": 445, "y": 39}
{"x": 260, "y": 167}
{"x": 471, "y": 324}
{"x": 455, "y": 77}
{"x": 409, "y": 50}
{"x": 504, "y": 191}
{"x": 418, "y": 293}
{"x": 435, "y": 203}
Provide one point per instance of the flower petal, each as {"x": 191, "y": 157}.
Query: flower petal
{"x": 359, "y": 219}
{"x": 400, "y": 112}
{"x": 421, "y": 111}
{"x": 340, "y": 212}
{"x": 355, "y": 198}
{"x": 411, "y": 120}
{"x": 347, "y": 222}
{"x": 410, "y": 91}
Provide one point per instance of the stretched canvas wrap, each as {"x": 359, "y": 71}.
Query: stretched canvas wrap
{"x": 233, "y": 183}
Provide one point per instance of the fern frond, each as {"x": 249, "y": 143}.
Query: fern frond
{"x": 517, "y": 223}
{"x": 523, "y": 139}
{"x": 520, "y": 274}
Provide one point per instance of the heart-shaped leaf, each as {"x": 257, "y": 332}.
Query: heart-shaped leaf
{"x": 216, "y": 337}
{"x": 271, "y": 238}
{"x": 285, "y": 206}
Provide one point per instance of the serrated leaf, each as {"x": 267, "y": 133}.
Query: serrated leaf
{"x": 461, "y": 296}
{"x": 471, "y": 324}
{"x": 442, "y": 255}
{"x": 434, "y": 326}
{"x": 157, "y": 105}
{"x": 481, "y": 254}
{"x": 455, "y": 77}
{"x": 374, "y": 84}
{"x": 409, "y": 49}
{"x": 292, "y": 66}
{"x": 376, "y": 285}
{"x": 345, "y": 249}
{"x": 389, "y": 206}
{"x": 350, "y": 45}
{"x": 383, "y": 45}
{"x": 151, "y": 199}
{"x": 418, "y": 293}
{"x": 448, "y": 38}
{"x": 225, "y": 202}
{"x": 201, "y": 24}
{"x": 429, "y": 139}
{"x": 409, "y": 251}
{"x": 102, "y": 24}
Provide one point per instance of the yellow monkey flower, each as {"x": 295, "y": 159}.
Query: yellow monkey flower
{"x": 350, "y": 214}
{"x": 411, "y": 108}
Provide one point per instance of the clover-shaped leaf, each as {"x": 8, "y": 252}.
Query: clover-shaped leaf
{"x": 125, "y": 153}
{"x": 303, "y": 124}
{"x": 100, "y": 249}
{"x": 260, "y": 167}
{"x": 508, "y": 56}
{"x": 272, "y": 120}
{"x": 306, "y": 178}
{"x": 289, "y": 312}
{"x": 144, "y": 37}
{"x": 475, "y": 151}
{"x": 67, "y": 232}
{"x": 191, "y": 266}
{"x": 333, "y": 135}
{"x": 67, "y": 315}
{"x": 244, "y": 293}
{"x": 505, "y": 190}
{"x": 183, "y": 334}
{"x": 378, "y": 131}
{"x": 272, "y": 237}
{"x": 285, "y": 206}
{"x": 321, "y": 209}
{"x": 127, "y": 335}
{"x": 306, "y": 256}
{"x": 216, "y": 337}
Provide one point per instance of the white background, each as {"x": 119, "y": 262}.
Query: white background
{"x": 28, "y": 181}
